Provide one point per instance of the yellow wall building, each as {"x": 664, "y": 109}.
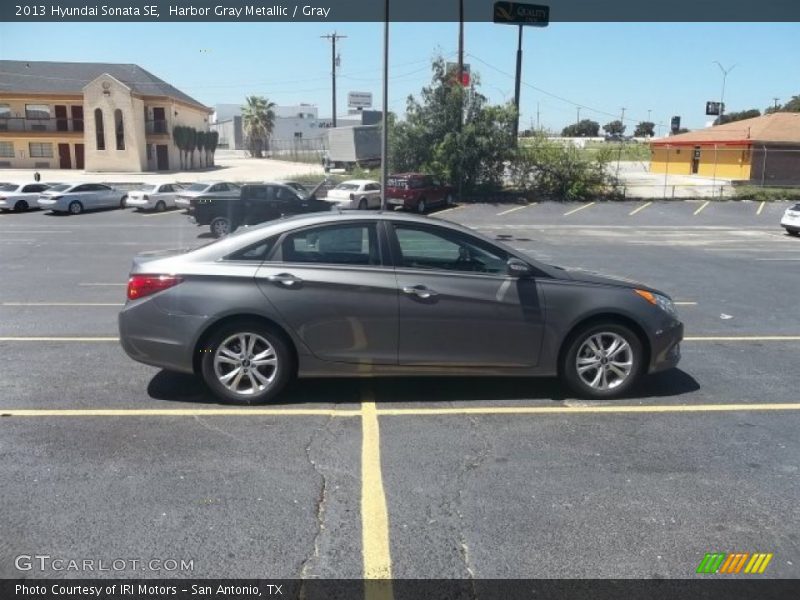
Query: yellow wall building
{"x": 765, "y": 149}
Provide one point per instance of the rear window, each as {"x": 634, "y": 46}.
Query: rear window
{"x": 350, "y": 187}
{"x": 796, "y": 206}
{"x": 10, "y": 187}
{"x": 197, "y": 187}
{"x": 147, "y": 188}
{"x": 396, "y": 182}
{"x": 60, "y": 187}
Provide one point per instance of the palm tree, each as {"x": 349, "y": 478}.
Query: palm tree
{"x": 191, "y": 144}
{"x": 179, "y": 138}
{"x": 258, "y": 115}
{"x": 213, "y": 140}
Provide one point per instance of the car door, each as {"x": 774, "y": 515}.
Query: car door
{"x": 329, "y": 283}
{"x": 260, "y": 204}
{"x": 105, "y": 196}
{"x": 457, "y": 304}
{"x": 373, "y": 193}
{"x": 83, "y": 194}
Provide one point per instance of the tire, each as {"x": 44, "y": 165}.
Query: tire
{"x": 75, "y": 208}
{"x": 220, "y": 227}
{"x": 161, "y": 206}
{"x": 448, "y": 201}
{"x": 254, "y": 386}
{"x": 21, "y": 206}
{"x": 794, "y": 232}
{"x": 122, "y": 201}
{"x": 421, "y": 206}
{"x": 362, "y": 204}
{"x": 589, "y": 383}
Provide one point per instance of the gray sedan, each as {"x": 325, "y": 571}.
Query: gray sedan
{"x": 76, "y": 198}
{"x": 329, "y": 294}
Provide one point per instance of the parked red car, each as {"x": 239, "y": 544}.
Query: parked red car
{"x": 417, "y": 192}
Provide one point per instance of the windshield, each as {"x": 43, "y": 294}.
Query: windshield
{"x": 147, "y": 188}
{"x": 60, "y": 187}
{"x": 9, "y": 187}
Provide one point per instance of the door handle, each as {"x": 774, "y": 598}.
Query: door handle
{"x": 420, "y": 291}
{"x": 286, "y": 279}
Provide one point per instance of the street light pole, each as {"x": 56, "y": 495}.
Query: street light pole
{"x": 722, "y": 95}
{"x": 385, "y": 107}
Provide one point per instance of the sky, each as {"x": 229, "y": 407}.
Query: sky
{"x": 652, "y": 69}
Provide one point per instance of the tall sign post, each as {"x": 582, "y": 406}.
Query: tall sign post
{"x": 516, "y": 13}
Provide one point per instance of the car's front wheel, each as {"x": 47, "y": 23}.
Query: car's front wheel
{"x": 603, "y": 361}
{"x": 75, "y": 207}
{"x": 246, "y": 363}
{"x": 161, "y": 206}
{"x": 362, "y": 204}
{"x": 21, "y": 206}
{"x": 794, "y": 232}
{"x": 220, "y": 227}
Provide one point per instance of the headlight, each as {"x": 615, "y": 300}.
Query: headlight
{"x": 658, "y": 300}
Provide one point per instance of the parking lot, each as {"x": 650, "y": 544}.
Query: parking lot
{"x": 103, "y": 457}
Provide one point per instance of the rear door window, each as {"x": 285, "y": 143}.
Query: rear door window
{"x": 351, "y": 244}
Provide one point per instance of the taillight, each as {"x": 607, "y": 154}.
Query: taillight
{"x": 140, "y": 286}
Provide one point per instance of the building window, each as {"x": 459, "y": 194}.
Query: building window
{"x": 298, "y": 134}
{"x": 40, "y": 150}
{"x": 98, "y": 127}
{"x": 6, "y": 150}
{"x": 119, "y": 127}
{"x": 5, "y": 111}
{"x": 37, "y": 111}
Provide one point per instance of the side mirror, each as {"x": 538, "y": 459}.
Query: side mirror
{"x": 517, "y": 268}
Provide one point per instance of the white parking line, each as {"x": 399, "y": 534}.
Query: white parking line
{"x": 510, "y": 210}
{"x": 63, "y": 304}
{"x": 101, "y": 284}
{"x": 636, "y": 210}
{"x": 699, "y": 210}
{"x": 446, "y": 210}
{"x": 566, "y": 214}
{"x": 743, "y": 338}
{"x": 685, "y": 303}
{"x": 161, "y": 214}
{"x": 761, "y": 207}
{"x": 57, "y": 339}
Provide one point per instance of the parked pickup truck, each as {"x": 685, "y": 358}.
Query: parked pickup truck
{"x": 258, "y": 202}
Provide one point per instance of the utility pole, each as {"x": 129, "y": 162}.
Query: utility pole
{"x": 333, "y": 37}
{"x": 385, "y": 107}
{"x": 722, "y": 95}
{"x": 619, "y": 151}
{"x": 517, "y": 84}
{"x": 649, "y": 110}
{"x": 537, "y": 117}
{"x": 579, "y": 116}
{"x": 622, "y": 118}
{"x": 460, "y": 85}
{"x": 776, "y": 102}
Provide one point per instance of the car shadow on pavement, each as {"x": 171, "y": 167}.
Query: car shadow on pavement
{"x": 181, "y": 387}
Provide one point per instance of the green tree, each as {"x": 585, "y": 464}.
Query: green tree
{"x": 258, "y": 116}
{"x": 645, "y": 129}
{"x": 583, "y": 128}
{"x": 737, "y": 116}
{"x": 200, "y": 141}
{"x": 431, "y": 139}
{"x": 211, "y": 143}
{"x": 614, "y": 128}
{"x": 191, "y": 144}
{"x": 179, "y": 139}
{"x": 792, "y": 105}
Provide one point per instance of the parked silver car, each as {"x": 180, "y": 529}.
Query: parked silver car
{"x": 75, "y": 198}
{"x": 20, "y": 197}
{"x": 354, "y": 294}
{"x": 201, "y": 189}
{"x": 158, "y": 197}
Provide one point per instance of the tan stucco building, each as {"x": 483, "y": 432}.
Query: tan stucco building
{"x": 92, "y": 116}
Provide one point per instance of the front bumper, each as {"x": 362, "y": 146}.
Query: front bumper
{"x": 791, "y": 222}
{"x": 666, "y": 347}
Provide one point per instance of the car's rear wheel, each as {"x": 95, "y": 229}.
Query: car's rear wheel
{"x": 603, "y": 361}
{"x": 161, "y": 206}
{"x": 21, "y": 206}
{"x": 220, "y": 226}
{"x": 75, "y": 207}
{"x": 123, "y": 201}
{"x": 246, "y": 363}
{"x": 421, "y": 206}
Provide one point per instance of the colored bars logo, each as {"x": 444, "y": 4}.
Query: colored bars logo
{"x": 720, "y": 562}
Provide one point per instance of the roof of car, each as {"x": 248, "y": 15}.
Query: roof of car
{"x": 408, "y": 175}
{"x": 358, "y": 181}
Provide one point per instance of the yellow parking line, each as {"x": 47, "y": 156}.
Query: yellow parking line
{"x": 760, "y": 207}
{"x": 743, "y": 338}
{"x": 510, "y": 210}
{"x": 699, "y": 210}
{"x": 374, "y": 514}
{"x": 441, "y": 212}
{"x": 636, "y": 210}
{"x": 179, "y": 412}
{"x": 527, "y": 410}
{"x": 574, "y": 210}
{"x": 64, "y": 338}
{"x": 63, "y": 304}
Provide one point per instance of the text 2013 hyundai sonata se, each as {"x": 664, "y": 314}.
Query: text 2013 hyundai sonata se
{"x": 332, "y": 294}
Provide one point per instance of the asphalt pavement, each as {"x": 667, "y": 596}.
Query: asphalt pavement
{"x": 104, "y": 458}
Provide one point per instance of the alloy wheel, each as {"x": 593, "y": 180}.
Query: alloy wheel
{"x": 246, "y": 364}
{"x": 604, "y": 361}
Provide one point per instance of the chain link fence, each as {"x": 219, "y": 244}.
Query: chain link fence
{"x": 304, "y": 150}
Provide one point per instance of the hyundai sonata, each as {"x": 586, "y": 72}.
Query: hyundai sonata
{"x": 355, "y": 294}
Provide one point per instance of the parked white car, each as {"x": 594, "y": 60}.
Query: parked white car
{"x": 158, "y": 197}
{"x": 74, "y": 198}
{"x": 356, "y": 193}
{"x": 791, "y": 219}
{"x": 20, "y": 197}
{"x": 204, "y": 189}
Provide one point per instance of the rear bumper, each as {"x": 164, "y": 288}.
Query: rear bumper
{"x": 666, "y": 348}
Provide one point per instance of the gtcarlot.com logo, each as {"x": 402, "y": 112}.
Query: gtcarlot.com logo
{"x": 734, "y": 563}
